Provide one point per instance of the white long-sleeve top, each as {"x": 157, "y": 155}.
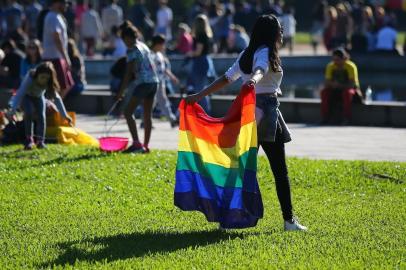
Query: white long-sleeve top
{"x": 271, "y": 81}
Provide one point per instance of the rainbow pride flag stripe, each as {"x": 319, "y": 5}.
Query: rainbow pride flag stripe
{"x": 217, "y": 163}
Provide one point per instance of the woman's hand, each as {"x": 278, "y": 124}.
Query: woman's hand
{"x": 250, "y": 83}
{"x": 119, "y": 96}
{"x": 193, "y": 98}
{"x": 175, "y": 80}
{"x": 69, "y": 119}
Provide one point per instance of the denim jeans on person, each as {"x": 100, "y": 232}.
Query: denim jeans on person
{"x": 37, "y": 104}
{"x": 273, "y": 133}
{"x": 202, "y": 69}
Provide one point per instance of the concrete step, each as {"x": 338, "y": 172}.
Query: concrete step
{"x": 98, "y": 100}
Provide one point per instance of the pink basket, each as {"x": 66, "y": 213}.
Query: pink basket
{"x": 113, "y": 144}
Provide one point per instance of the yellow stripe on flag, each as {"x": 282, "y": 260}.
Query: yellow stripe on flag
{"x": 212, "y": 153}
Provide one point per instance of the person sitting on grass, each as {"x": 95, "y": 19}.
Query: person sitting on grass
{"x": 38, "y": 85}
{"x": 341, "y": 79}
{"x": 140, "y": 64}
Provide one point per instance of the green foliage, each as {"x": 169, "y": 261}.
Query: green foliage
{"x": 302, "y": 38}
{"x": 78, "y": 208}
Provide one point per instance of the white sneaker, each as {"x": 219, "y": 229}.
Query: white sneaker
{"x": 293, "y": 225}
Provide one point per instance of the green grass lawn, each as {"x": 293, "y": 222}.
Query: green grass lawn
{"x": 78, "y": 208}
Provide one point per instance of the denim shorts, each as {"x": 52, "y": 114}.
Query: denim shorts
{"x": 145, "y": 90}
{"x": 270, "y": 120}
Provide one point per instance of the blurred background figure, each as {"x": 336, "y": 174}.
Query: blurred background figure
{"x": 288, "y": 23}
{"x": 14, "y": 17}
{"x": 141, "y": 18}
{"x": 112, "y": 15}
{"x": 79, "y": 10}
{"x": 330, "y": 30}
{"x": 32, "y": 11}
{"x": 11, "y": 65}
{"x": 77, "y": 69}
{"x": 91, "y": 30}
{"x": 33, "y": 57}
{"x": 341, "y": 85}
{"x": 222, "y": 29}
{"x": 115, "y": 47}
{"x": 363, "y": 39}
{"x": 344, "y": 27}
{"x": 237, "y": 40}
{"x": 319, "y": 18}
{"x": 386, "y": 39}
{"x": 163, "y": 72}
{"x": 164, "y": 18}
{"x": 184, "y": 41}
{"x": 202, "y": 63}
{"x": 55, "y": 44}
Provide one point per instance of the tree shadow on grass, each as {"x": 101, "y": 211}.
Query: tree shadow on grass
{"x": 125, "y": 246}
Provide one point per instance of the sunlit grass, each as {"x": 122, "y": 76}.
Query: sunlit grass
{"x": 78, "y": 208}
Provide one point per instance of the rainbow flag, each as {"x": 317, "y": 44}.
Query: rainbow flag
{"x": 217, "y": 163}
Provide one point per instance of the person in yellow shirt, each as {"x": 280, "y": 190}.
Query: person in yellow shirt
{"x": 341, "y": 80}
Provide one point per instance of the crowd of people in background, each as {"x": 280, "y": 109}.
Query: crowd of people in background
{"x": 358, "y": 26}
{"x": 59, "y": 32}
{"x": 27, "y": 31}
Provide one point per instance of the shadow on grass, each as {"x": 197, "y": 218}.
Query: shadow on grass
{"x": 124, "y": 246}
{"x": 34, "y": 155}
{"x": 17, "y": 153}
{"x": 63, "y": 159}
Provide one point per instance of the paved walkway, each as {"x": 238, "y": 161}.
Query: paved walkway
{"x": 316, "y": 142}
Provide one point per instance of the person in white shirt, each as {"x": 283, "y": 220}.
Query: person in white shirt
{"x": 288, "y": 23}
{"x": 112, "y": 15}
{"x": 163, "y": 71}
{"x": 386, "y": 39}
{"x": 164, "y": 17}
{"x": 259, "y": 65}
{"x": 55, "y": 44}
{"x": 91, "y": 29}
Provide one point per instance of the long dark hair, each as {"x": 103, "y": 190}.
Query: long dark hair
{"x": 266, "y": 32}
{"x": 128, "y": 30}
{"x": 48, "y": 68}
{"x": 36, "y": 44}
{"x": 73, "y": 50}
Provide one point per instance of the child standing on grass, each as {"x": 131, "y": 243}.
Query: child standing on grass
{"x": 259, "y": 64}
{"x": 163, "y": 71}
{"x": 38, "y": 85}
{"x": 140, "y": 64}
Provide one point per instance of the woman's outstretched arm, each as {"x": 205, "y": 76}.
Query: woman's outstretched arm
{"x": 213, "y": 87}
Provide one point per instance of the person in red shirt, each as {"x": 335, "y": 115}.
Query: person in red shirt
{"x": 185, "y": 39}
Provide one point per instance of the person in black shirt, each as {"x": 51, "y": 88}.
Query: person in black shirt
{"x": 10, "y": 66}
{"x": 202, "y": 64}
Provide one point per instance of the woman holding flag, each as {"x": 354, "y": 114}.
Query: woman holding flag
{"x": 259, "y": 65}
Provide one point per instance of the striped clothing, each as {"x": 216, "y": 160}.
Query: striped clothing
{"x": 217, "y": 162}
